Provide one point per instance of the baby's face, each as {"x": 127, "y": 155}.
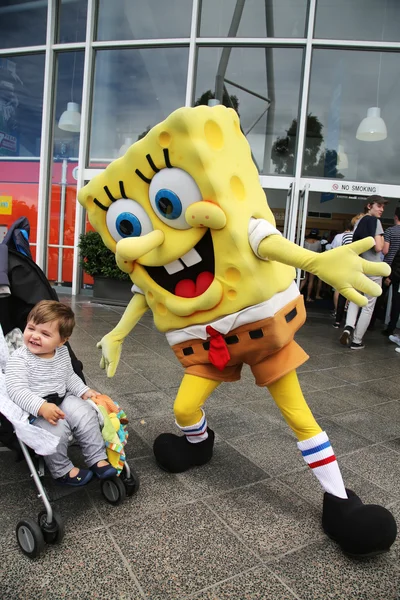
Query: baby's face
{"x": 42, "y": 338}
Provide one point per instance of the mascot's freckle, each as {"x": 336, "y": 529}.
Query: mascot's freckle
{"x": 186, "y": 217}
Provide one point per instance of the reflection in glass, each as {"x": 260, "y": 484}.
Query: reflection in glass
{"x": 72, "y": 21}
{"x": 138, "y": 20}
{"x": 344, "y": 85}
{"x": 262, "y": 84}
{"x": 133, "y": 90}
{"x": 358, "y": 20}
{"x": 22, "y": 23}
{"x": 63, "y": 183}
{"x": 21, "y": 103}
{"x": 253, "y": 18}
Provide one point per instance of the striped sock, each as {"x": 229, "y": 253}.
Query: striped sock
{"x": 318, "y": 454}
{"x": 196, "y": 433}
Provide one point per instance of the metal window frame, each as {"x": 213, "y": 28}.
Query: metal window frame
{"x": 193, "y": 42}
{"x": 87, "y": 95}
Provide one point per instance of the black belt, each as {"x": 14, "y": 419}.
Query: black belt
{"x": 54, "y": 398}
{"x": 255, "y": 334}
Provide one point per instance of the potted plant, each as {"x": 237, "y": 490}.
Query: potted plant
{"x": 111, "y": 285}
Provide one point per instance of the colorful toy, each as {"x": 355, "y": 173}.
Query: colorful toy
{"x": 186, "y": 217}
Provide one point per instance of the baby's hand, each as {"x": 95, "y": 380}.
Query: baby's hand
{"x": 90, "y": 394}
{"x": 51, "y": 413}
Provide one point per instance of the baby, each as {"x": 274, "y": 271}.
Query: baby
{"x": 41, "y": 380}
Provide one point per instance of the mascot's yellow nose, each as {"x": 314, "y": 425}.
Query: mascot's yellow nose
{"x": 205, "y": 214}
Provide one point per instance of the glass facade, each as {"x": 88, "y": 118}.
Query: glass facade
{"x": 314, "y": 82}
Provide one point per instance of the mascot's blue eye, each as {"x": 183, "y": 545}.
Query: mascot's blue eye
{"x": 128, "y": 225}
{"x": 168, "y": 204}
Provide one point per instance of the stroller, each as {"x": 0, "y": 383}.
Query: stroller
{"x": 22, "y": 285}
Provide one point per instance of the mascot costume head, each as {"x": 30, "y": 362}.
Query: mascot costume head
{"x": 186, "y": 217}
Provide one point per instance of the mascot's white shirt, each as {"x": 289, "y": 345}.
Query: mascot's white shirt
{"x": 259, "y": 229}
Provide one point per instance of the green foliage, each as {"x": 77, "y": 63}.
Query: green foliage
{"x": 229, "y": 101}
{"x": 96, "y": 259}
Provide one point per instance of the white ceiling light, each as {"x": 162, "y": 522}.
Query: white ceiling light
{"x": 70, "y": 120}
{"x": 372, "y": 128}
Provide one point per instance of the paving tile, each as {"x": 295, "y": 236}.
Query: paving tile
{"x": 158, "y": 490}
{"x": 257, "y": 584}
{"x": 124, "y": 382}
{"x": 146, "y": 404}
{"x": 269, "y": 518}
{"x": 322, "y": 571}
{"x": 269, "y": 411}
{"x": 343, "y": 440}
{"x": 390, "y": 410}
{"x": 74, "y": 569}
{"x": 171, "y": 552}
{"x": 359, "y": 395}
{"x": 378, "y": 464}
{"x": 385, "y": 388}
{"x": 359, "y": 373}
{"x": 244, "y": 390}
{"x": 10, "y": 469}
{"x": 274, "y": 451}
{"x": 18, "y": 500}
{"x": 308, "y": 487}
{"x": 227, "y": 470}
{"x": 217, "y": 399}
{"x": 231, "y": 422}
{"x": 326, "y": 404}
{"x": 320, "y": 380}
{"x": 371, "y": 425}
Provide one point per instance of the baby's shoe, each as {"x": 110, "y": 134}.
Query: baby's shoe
{"x": 105, "y": 472}
{"x": 82, "y": 478}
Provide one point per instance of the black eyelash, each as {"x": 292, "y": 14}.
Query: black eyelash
{"x": 100, "y": 205}
{"x": 122, "y": 190}
{"x": 166, "y": 156}
{"x": 151, "y": 163}
{"x": 153, "y": 166}
{"x": 145, "y": 179}
{"x": 109, "y": 194}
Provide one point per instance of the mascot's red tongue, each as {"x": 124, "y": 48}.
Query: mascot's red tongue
{"x": 189, "y": 289}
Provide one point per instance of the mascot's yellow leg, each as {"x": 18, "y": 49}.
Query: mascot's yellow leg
{"x": 288, "y": 396}
{"x": 192, "y": 394}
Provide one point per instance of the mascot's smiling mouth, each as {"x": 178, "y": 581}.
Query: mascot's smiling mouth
{"x": 192, "y": 274}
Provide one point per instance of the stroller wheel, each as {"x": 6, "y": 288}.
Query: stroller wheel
{"x": 113, "y": 490}
{"x": 131, "y": 483}
{"x": 53, "y": 532}
{"x": 30, "y": 538}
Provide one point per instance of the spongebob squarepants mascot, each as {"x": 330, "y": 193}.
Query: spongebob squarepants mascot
{"x": 186, "y": 217}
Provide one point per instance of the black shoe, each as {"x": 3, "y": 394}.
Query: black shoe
{"x": 175, "y": 454}
{"x": 346, "y": 334}
{"x": 336, "y": 325}
{"x": 354, "y": 346}
{"x": 386, "y": 332}
{"x": 359, "y": 529}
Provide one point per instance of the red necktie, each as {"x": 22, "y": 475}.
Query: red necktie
{"x": 218, "y": 353}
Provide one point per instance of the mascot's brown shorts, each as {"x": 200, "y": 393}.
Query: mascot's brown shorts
{"x": 267, "y": 346}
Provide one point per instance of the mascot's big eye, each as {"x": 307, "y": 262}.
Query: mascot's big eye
{"x": 127, "y": 218}
{"x": 171, "y": 192}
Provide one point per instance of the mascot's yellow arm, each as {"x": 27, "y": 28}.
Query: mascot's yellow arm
{"x": 341, "y": 268}
{"x": 111, "y": 344}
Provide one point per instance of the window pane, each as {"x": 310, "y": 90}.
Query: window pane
{"x": 22, "y": 23}
{"x": 21, "y": 103}
{"x": 358, "y": 20}
{"x": 72, "y": 25}
{"x": 62, "y": 201}
{"x": 133, "y": 90}
{"x": 272, "y": 73}
{"x": 344, "y": 85}
{"x": 138, "y": 20}
{"x": 253, "y": 18}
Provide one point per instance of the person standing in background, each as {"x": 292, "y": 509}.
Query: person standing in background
{"x": 369, "y": 225}
{"x": 313, "y": 243}
{"x": 390, "y": 248}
